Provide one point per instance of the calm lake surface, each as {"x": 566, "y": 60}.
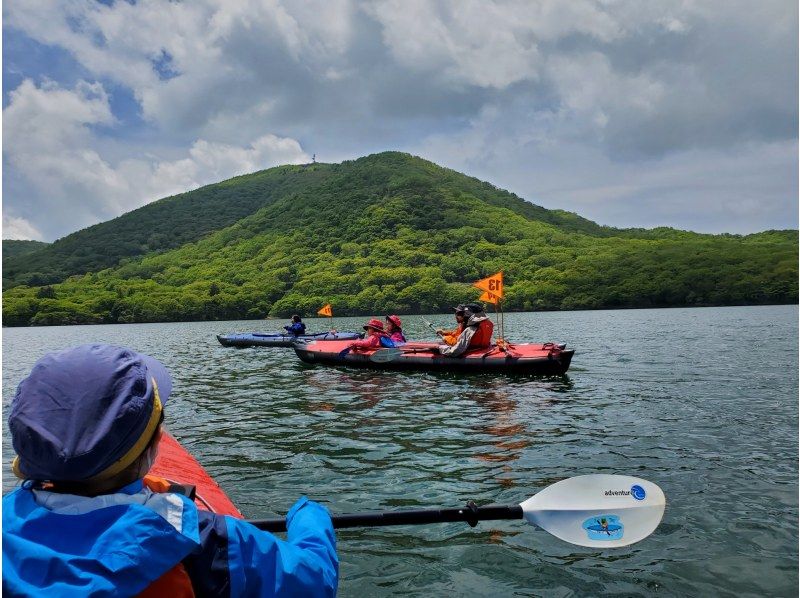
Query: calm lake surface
{"x": 703, "y": 402}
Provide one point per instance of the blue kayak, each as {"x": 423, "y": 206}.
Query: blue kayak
{"x": 278, "y": 339}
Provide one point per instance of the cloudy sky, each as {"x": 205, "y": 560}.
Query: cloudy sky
{"x": 678, "y": 113}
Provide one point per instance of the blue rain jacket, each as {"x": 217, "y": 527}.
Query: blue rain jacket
{"x": 296, "y": 328}
{"x": 64, "y": 547}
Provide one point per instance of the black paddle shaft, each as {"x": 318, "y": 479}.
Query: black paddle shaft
{"x": 471, "y": 513}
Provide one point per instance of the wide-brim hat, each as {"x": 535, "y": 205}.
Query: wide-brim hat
{"x": 395, "y": 320}
{"x": 459, "y": 309}
{"x": 374, "y": 323}
{"x": 86, "y": 413}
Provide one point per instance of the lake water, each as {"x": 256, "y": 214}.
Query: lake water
{"x": 703, "y": 402}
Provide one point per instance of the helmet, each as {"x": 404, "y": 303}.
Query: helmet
{"x": 373, "y": 323}
{"x": 473, "y": 308}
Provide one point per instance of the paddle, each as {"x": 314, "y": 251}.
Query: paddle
{"x": 599, "y": 510}
{"x": 432, "y": 327}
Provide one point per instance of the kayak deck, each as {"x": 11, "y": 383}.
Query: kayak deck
{"x": 177, "y": 465}
{"x": 277, "y": 339}
{"x": 523, "y": 358}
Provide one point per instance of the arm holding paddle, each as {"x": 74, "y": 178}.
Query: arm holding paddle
{"x": 305, "y": 564}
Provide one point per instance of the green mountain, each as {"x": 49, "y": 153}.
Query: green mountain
{"x": 13, "y": 248}
{"x": 159, "y": 226}
{"x": 392, "y": 232}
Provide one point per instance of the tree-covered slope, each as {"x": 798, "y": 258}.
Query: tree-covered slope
{"x": 391, "y": 232}
{"x": 14, "y": 248}
{"x": 159, "y": 226}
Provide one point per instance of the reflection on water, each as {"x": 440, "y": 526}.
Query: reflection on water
{"x": 643, "y": 397}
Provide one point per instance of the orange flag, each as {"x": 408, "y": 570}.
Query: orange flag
{"x": 491, "y": 284}
{"x": 326, "y": 311}
{"x": 488, "y": 297}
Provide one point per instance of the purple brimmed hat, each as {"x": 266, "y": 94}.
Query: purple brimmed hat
{"x": 86, "y": 413}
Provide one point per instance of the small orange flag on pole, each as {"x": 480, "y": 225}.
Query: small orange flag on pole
{"x": 491, "y": 284}
{"x": 488, "y": 297}
{"x": 326, "y": 311}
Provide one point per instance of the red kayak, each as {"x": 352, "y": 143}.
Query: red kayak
{"x": 178, "y": 466}
{"x": 525, "y": 358}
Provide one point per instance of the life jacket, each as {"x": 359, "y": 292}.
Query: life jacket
{"x": 175, "y": 583}
{"x": 483, "y": 335}
{"x": 450, "y": 337}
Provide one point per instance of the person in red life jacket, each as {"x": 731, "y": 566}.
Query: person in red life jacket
{"x": 451, "y": 336}
{"x": 394, "y": 328}
{"x": 376, "y": 337}
{"x": 85, "y": 425}
{"x": 477, "y": 332}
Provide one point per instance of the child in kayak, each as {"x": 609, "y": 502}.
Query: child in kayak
{"x": 449, "y": 337}
{"x": 296, "y": 327}
{"x": 376, "y": 337}
{"x": 476, "y": 333}
{"x": 86, "y": 425}
{"x": 394, "y": 328}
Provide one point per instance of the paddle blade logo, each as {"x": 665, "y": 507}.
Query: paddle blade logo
{"x": 638, "y": 492}
{"x": 604, "y": 527}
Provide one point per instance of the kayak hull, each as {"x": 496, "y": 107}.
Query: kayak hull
{"x": 177, "y": 465}
{"x": 259, "y": 339}
{"x": 528, "y": 358}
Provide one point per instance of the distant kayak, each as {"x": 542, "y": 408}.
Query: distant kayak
{"x": 277, "y": 339}
{"x": 178, "y": 466}
{"x": 523, "y": 358}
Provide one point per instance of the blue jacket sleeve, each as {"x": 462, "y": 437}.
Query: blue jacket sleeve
{"x": 304, "y": 565}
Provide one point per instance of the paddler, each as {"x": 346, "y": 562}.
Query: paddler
{"x": 296, "y": 327}
{"x": 476, "y": 334}
{"x": 394, "y": 328}
{"x": 85, "y": 425}
{"x": 451, "y": 336}
{"x": 376, "y": 337}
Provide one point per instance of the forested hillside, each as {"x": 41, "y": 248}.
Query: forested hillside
{"x": 158, "y": 226}
{"x": 391, "y": 232}
{"x": 12, "y": 248}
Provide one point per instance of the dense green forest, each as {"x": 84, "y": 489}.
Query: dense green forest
{"x": 158, "y": 226}
{"x": 391, "y": 232}
{"x": 13, "y": 248}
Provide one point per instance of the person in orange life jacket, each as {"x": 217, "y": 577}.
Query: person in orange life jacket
{"x": 451, "y": 336}
{"x": 477, "y": 332}
{"x": 85, "y": 425}
{"x": 394, "y": 328}
{"x": 376, "y": 337}
{"x": 296, "y": 327}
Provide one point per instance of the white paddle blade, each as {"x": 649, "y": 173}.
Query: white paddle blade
{"x": 384, "y": 355}
{"x": 600, "y": 510}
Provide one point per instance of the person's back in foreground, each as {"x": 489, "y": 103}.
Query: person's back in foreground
{"x": 85, "y": 425}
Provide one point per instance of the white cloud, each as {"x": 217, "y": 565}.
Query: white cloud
{"x": 19, "y": 229}
{"x": 49, "y": 141}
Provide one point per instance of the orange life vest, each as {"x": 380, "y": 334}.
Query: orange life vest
{"x": 451, "y": 336}
{"x": 175, "y": 583}
{"x": 483, "y": 335}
